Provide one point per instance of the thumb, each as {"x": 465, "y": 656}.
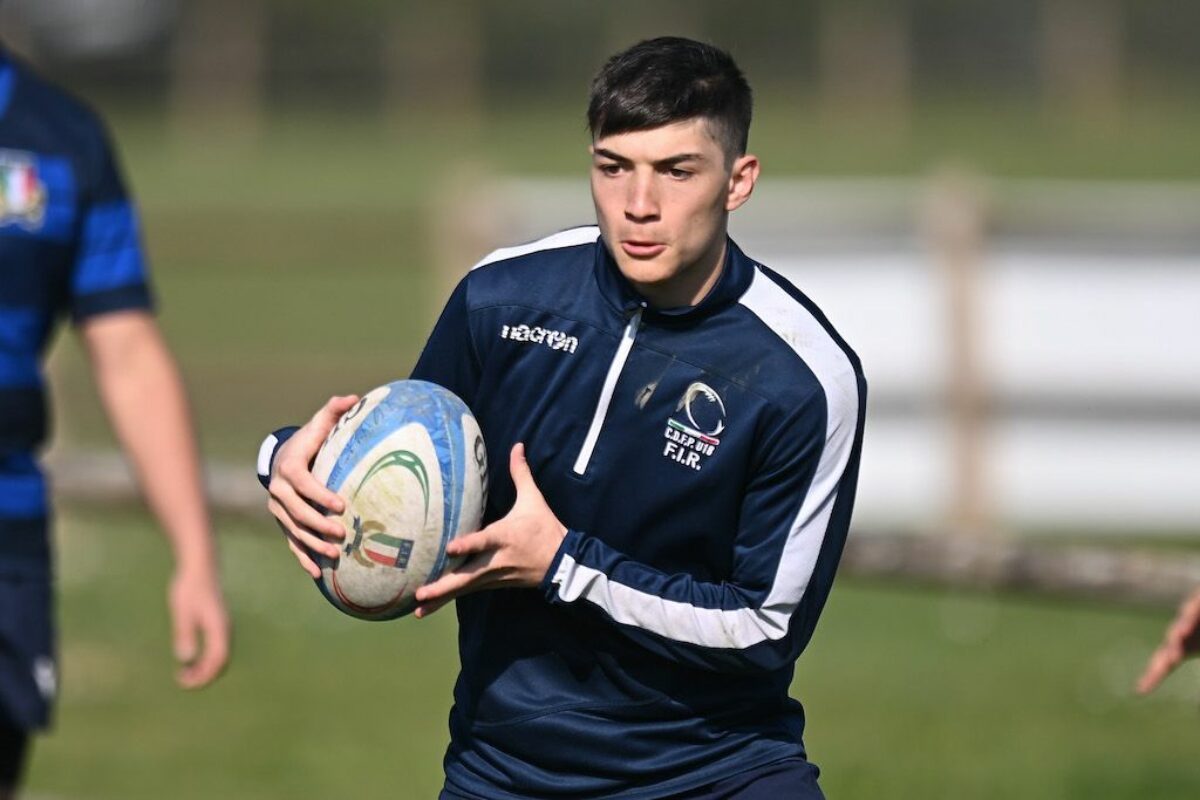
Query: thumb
{"x": 518, "y": 467}
{"x": 335, "y": 407}
{"x": 324, "y": 421}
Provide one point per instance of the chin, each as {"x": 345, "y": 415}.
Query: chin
{"x": 648, "y": 280}
{"x": 646, "y": 273}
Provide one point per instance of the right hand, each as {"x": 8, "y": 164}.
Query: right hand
{"x": 1181, "y": 641}
{"x": 294, "y": 490}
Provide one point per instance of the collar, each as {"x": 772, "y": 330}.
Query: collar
{"x": 734, "y": 280}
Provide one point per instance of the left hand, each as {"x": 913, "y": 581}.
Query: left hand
{"x": 200, "y": 627}
{"x": 512, "y": 552}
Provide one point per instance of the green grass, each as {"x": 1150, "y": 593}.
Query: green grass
{"x": 314, "y": 705}
{"x": 909, "y": 693}
{"x": 920, "y": 694}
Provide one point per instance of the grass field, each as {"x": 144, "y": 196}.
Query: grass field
{"x": 301, "y": 266}
{"x": 909, "y": 693}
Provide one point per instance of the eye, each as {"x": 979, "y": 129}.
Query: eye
{"x": 609, "y": 169}
{"x": 679, "y": 174}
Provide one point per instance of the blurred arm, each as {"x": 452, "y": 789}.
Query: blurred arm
{"x": 1181, "y": 640}
{"x": 144, "y": 398}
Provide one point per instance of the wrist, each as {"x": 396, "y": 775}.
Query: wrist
{"x": 552, "y": 578}
{"x": 268, "y": 450}
{"x": 195, "y": 557}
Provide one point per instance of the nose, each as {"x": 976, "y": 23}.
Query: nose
{"x": 641, "y": 204}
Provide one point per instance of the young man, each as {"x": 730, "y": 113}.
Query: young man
{"x": 69, "y": 244}
{"x": 684, "y": 443}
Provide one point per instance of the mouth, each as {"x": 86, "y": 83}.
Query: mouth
{"x": 642, "y": 249}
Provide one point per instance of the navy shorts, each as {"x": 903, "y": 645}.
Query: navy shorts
{"x": 28, "y": 673}
{"x": 789, "y": 779}
{"x": 14, "y": 744}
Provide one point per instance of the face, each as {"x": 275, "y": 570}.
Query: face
{"x": 663, "y": 198}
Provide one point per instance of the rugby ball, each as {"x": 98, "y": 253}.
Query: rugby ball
{"x": 410, "y": 463}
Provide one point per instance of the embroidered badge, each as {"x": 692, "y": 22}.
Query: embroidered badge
{"x": 694, "y": 431}
{"x": 22, "y": 191}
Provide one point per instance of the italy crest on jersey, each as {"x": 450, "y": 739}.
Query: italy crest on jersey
{"x": 22, "y": 191}
{"x": 693, "y": 432}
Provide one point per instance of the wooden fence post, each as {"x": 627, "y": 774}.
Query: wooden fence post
{"x": 865, "y": 63}
{"x": 1081, "y": 47}
{"x": 218, "y": 70}
{"x": 954, "y": 225}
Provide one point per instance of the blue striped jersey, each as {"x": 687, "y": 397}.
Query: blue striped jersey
{"x": 69, "y": 246}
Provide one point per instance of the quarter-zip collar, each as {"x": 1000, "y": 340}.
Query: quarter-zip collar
{"x": 736, "y": 274}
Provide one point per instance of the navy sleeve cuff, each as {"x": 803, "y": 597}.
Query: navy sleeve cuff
{"x": 552, "y": 579}
{"x": 135, "y": 297}
{"x": 268, "y": 449}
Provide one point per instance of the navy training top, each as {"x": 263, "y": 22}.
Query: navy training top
{"x": 705, "y": 461}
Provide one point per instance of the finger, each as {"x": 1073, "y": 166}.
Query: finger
{"x": 1158, "y": 668}
{"x": 1191, "y": 607}
{"x": 446, "y": 587}
{"x": 202, "y": 673}
{"x": 306, "y": 486}
{"x": 183, "y": 638}
{"x": 305, "y": 443}
{"x": 425, "y": 609}
{"x": 214, "y": 655}
{"x": 300, "y": 512}
{"x": 469, "y": 577}
{"x": 335, "y": 407}
{"x": 306, "y": 561}
{"x": 308, "y": 539}
{"x": 1189, "y": 614}
{"x": 312, "y": 542}
{"x": 298, "y": 452}
{"x": 473, "y": 543}
{"x": 328, "y": 415}
{"x": 1178, "y": 632}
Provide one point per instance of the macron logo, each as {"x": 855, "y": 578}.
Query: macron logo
{"x": 555, "y": 340}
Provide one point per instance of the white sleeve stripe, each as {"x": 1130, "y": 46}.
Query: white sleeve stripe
{"x": 745, "y": 627}
{"x": 265, "y": 451}
{"x": 568, "y": 238}
{"x": 672, "y": 619}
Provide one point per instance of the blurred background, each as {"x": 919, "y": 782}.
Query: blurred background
{"x": 997, "y": 202}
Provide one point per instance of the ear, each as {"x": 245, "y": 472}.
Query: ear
{"x": 741, "y": 181}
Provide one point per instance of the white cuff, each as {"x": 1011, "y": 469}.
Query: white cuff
{"x": 265, "y": 454}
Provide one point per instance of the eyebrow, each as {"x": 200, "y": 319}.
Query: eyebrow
{"x": 669, "y": 161}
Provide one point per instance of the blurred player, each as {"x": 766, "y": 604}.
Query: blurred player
{"x": 1182, "y": 640}
{"x": 69, "y": 245}
{"x": 670, "y": 532}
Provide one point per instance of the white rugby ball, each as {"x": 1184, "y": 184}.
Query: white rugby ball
{"x": 410, "y": 462}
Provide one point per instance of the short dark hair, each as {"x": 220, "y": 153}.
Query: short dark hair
{"x": 670, "y": 79}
